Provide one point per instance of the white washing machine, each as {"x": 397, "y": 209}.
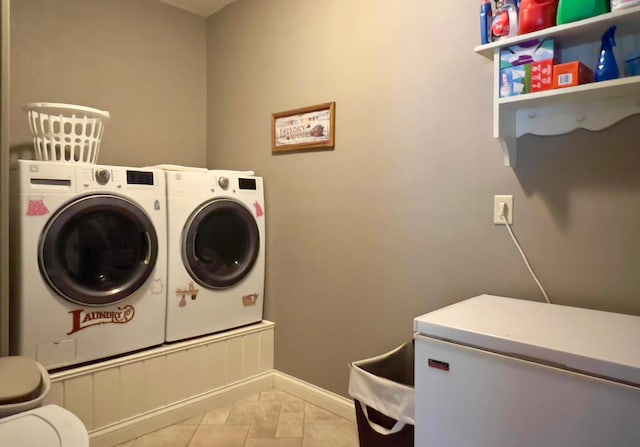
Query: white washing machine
{"x": 216, "y": 252}
{"x": 88, "y": 262}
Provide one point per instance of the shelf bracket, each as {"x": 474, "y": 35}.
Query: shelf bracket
{"x": 558, "y": 115}
{"x": 504, "y": 129}
{"x": 509, "y": 149}
{"x": 563, "y": 118}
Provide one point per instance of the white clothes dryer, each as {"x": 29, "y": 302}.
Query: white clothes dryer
{"x": 88, "y": 264}
{"x": 216, "y": 252}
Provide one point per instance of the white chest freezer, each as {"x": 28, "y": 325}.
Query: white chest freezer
{"x": 500, "y": 372}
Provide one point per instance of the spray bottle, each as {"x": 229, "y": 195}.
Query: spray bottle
{"x": 485, "y": 21}
{"x": 607, "y": 66}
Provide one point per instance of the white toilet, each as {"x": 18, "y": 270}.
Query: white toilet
{"x": 24, "y": 384}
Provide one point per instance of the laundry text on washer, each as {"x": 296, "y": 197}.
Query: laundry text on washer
{"x": 83, "y": 319}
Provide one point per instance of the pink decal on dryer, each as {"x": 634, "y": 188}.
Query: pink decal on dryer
{"x": 259, "y": 212}
{"x": 37, "y": 208}
{"x": 82, "y": 319}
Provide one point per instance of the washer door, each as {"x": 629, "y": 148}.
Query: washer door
{"x": 220, "y": 243}
{"x": 98, "y": 250}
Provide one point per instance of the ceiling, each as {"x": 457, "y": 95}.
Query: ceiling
{"x": 201, "y": 7}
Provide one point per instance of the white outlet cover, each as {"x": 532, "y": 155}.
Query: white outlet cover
{"x": 508, "y": 199}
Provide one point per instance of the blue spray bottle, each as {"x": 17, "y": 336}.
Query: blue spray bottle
{"x": 607, "y": 66}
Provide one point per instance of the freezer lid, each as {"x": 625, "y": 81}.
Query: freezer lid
{"x": 598, "y": 343}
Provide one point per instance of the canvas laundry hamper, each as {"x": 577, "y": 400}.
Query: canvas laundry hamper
{"x": 383, "y": 390}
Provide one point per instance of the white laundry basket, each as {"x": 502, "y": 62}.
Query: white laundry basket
{"x": 66, "y": 132}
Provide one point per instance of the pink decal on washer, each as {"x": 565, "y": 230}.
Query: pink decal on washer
{"x": 259, "y": 212}
{"x": 37, "y": 208}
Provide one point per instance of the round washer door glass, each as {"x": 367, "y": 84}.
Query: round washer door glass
{"x": 220, "y": 243}
{"x": 98, "y": 250}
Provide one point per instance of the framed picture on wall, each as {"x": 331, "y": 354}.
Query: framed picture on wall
{"x": 305, "y": 128}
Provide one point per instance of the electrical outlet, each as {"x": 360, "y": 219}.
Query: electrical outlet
{"x": 497, "y": 201}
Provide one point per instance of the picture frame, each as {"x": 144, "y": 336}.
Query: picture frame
{"x": 306, "y": 128}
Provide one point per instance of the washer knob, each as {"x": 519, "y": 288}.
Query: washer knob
{"x": 223, "y": 182}
{"x": 103, "y": 176}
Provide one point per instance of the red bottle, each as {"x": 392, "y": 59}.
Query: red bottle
{"x": 537, "y": 14}
{"x": 505, "y": 20}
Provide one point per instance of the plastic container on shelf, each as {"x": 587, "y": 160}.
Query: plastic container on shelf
{"x": 66, "y": 132}
{"x": 537, "y": 14}
{"x": 607, "y": 68}
{"x": 574, "y": 10}
{"x": 621, "y": 4}
{"x": 505, "y": 20}
{"x": 486, "y": 13}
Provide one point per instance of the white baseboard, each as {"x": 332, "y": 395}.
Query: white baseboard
{"x": 144, "y": 423}
{"x": 327, "y": 400}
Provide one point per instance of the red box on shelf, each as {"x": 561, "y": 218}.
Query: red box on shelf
{"x": 541, "y": 75}
{"x": 570, "y": 74}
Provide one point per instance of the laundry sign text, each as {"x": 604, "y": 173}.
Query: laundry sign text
{"x": 82, "y": 319}
{"x": 305, "y": 128}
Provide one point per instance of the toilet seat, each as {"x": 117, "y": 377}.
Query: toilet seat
{"x": 48, "y": 426}
{"x": 24, "y": 384}
{"x": 20, "y": 380}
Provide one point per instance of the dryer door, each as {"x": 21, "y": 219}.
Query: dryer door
{"x": 98, "y": 250}
{"x": 220, "y": 243}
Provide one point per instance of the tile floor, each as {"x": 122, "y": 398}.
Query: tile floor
{"x": 269, "y": 419}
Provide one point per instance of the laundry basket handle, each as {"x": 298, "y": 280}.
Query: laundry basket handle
{"x": 399, "y": 425}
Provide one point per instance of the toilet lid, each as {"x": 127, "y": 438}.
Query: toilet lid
{"x": 48, "y": 426}
{"x": 20, "y": 379}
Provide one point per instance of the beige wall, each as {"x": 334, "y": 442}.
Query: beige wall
{"x": 397, "y": 220}
{"x": 141, "y": 60}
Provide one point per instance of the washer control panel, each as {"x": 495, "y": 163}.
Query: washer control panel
{"x": 114, "y": 178}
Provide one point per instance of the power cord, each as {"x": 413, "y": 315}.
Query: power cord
{"x": 503, "y": 213}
